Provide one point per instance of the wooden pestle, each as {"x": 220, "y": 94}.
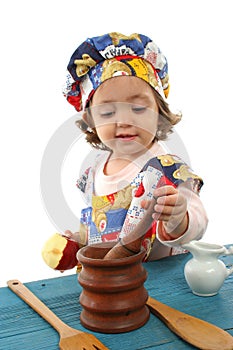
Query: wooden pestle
{"x": 131, "y": 243}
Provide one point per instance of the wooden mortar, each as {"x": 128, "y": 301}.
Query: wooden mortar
{"x": 113, "y": 296}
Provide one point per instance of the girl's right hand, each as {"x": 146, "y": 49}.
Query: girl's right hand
{"x": 72, "y": 236}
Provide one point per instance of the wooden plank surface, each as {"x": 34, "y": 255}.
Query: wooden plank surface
{"x": 20, "y": 326}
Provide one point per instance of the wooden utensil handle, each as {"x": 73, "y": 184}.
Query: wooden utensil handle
{"x": 193, "y": 330}
{"x": 36, "y": 304}
{"x": 131, "y": 243}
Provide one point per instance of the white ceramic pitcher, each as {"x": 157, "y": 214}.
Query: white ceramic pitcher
{"x": 204, "y": 272}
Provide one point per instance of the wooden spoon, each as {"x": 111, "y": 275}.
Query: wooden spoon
{"x": 193, "y": 330}
{"x": 131, "y": 244}
{"x": 70, "y": 338}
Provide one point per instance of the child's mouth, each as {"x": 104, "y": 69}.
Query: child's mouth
{"x": 126, "y": 137}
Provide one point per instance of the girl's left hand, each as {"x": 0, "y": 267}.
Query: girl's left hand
{"x": 171, "y": 208}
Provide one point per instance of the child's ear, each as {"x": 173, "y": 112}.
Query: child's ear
{"x": 87, "y": 118}
{"x": 84, "y": 116}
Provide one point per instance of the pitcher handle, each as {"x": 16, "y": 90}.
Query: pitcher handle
{"x": 229, "y": 271}
{"x": 229, "y": 251}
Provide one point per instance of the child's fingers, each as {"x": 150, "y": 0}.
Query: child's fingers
{"x": 164, "y": 191}
{"x": 169, "y": 200}
{"x": 145, "y": 204}
{"x": 74, "y": 236}
{"x": 68, "y": 233}
{"x": 165, "y": 196}
{"x": 162, "y": 217}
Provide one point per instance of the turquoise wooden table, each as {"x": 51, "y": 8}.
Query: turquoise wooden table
{"x": 22, "y": 329}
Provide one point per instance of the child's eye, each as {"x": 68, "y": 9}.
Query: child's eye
{"x": 138, "y": 109}
{"x": 107, "y": 114}
{"x": 104, "y": 111}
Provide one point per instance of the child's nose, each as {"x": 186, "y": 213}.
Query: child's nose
{"x": 123, "y": 123}
{"x": 124, "y": 118}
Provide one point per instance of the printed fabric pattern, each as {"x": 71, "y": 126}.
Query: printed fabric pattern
{"x": 109, "y": 217}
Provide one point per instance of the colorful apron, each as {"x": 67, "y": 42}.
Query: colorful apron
{"x": 116, "y": 214}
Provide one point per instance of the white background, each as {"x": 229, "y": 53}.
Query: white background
{"x": 37, "y": 40}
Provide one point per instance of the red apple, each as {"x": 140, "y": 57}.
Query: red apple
{"x": 59, "y": 252}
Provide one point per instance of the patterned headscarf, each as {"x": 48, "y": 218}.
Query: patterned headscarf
{"x": 100, "y": 58}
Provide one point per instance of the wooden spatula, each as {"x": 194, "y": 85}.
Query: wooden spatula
{"x": 193, "y": 330}
{"x": 70, "y": 338}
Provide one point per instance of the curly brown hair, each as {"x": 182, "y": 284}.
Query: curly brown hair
{"x": 167, "y": 119}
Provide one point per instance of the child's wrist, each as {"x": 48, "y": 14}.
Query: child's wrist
{"x": 165, "y": 236}
{"x": 177, "y": 232}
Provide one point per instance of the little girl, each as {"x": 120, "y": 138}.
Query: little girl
{"x": 121, "y": 84}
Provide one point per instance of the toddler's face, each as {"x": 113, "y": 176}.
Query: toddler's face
{"x": 125, "y": 114}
